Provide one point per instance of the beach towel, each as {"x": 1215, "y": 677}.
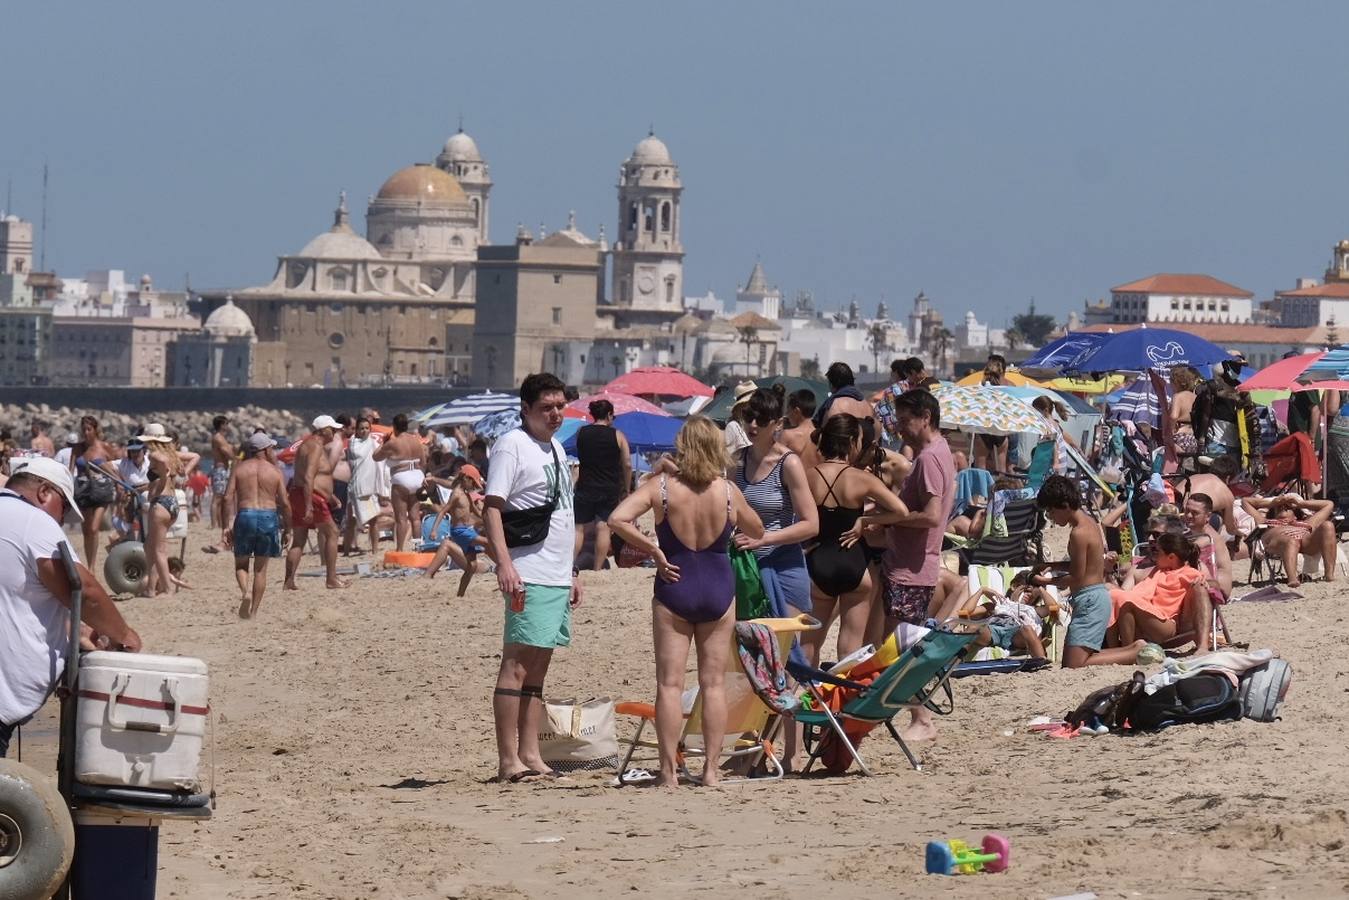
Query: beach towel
{"x": 761, "y": 658}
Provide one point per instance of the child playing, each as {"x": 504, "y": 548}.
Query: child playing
{"x": 465, "y": 542}
{"x": 1014, "y": 619}
{"x": 1090, "y": 600}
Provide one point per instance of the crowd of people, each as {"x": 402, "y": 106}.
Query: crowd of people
{"x": 848, "y": 504}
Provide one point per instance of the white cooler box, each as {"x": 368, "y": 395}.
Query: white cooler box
{"x": 141, "y": 720}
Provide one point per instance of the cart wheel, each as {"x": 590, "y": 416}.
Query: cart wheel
{"x": 37, "y": 838}
{"x": 126, "y": 568}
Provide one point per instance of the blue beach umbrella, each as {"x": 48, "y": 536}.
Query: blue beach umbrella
{"x": 491, "y": 427}
{"x": 1148, "y": 348}
{"x": 1058, "y": 356}
{"x": 645, "y": 432}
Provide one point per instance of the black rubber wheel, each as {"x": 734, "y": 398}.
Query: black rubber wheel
{"x": 37, "y": 838}
{"x": 126, "y": 568}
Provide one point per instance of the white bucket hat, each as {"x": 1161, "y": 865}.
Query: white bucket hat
{"x": 154, "y": 434}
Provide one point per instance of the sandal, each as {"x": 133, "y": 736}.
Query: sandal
{"x": 524, "y": 775}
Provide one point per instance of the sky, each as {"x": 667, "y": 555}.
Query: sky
{"x": 985, "y": 153}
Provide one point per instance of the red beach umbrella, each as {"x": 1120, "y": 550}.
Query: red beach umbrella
{"x": 664, "y": 381}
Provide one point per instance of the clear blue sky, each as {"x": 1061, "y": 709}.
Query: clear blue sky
{"x": 983, "y": 152}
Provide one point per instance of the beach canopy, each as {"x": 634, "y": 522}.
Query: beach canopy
{"x": 720, "y": 408}
{"x": 662, "y": 381}
{"x": 1086, "y": 385}
{"x": 987, "y": 410}
{"x": 645, "y": 432}
{"x": 467, "y": 410}
{"x": 1148, "y": 348}
{"x": 623, "y": 403}
{"x": 1011, "y": 376}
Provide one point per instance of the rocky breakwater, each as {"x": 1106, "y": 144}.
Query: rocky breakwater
{"x": 193, "y": 428}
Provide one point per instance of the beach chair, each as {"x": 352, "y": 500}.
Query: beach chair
{"x": 999, "y": 578}
{"x": 914, "y": 679}
{"x": 751, "y": 727}
{"x": 1021, "y": 545}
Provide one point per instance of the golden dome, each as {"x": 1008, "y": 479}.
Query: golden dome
{"x": 422, "y": 182}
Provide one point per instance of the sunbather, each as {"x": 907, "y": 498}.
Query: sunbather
{"x": 1297, "y": 526}
{"x": 1173, "y": 590}
{"x": 1013, "y": 620}
{"x": 1213, "y": 554}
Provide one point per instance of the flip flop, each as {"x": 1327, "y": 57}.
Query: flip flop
{"x": 524, "y": 775}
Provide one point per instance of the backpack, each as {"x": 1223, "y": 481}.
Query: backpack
{"x": 1263, "y": 689}
{"x": 1197, "y": 699}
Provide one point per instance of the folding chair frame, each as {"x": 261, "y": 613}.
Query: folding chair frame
{"x": 756, "y": 751}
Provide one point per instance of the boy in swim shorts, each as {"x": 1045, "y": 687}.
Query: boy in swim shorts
{"x": 465, "y": 542}
{"x": 1083, "y": 645}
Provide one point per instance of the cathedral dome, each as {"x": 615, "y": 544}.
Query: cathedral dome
{"x": 422, "y": 182}
{"x": 229, "y": 321}
{"x": 340, "y": 243}
{"x": 651, "y": 151}
{"x": 462, "y": 147}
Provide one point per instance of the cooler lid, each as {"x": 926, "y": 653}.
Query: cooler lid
{"x": 143, "y": 662}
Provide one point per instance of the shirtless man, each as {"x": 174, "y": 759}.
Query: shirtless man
{"x": 1082, "y": 646}
{"x": 40, "y": 443}
{"x": 256, "y": 496}
{"x": 1198, "y": 513}
{"x": 466, "y": 538}
{"x": 222, "y": 458}
{"x": 406, "y": 455}
{"x": 311, "y": 502}
{"x": 797, "y": 434}
{"x": 1213, "y": 483}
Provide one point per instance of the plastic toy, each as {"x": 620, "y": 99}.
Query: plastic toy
{"x": 959, "y": 858}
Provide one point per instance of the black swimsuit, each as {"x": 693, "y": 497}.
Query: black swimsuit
{"x": 836, "y": 570}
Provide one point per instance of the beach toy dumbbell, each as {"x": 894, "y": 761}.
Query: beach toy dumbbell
{"x": 959, "y": 858}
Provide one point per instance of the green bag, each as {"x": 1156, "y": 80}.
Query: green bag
{"x": 751, "y": 601}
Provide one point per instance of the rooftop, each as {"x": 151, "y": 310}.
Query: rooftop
{"x": 1335, "y": 290}
{"x": 1191, "y": 285}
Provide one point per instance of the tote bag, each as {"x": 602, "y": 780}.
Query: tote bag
{"x": 579, "y": 734}
{"x": 751, "y": 601}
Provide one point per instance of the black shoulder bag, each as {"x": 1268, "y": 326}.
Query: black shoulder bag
{"x": 524, "y": 527}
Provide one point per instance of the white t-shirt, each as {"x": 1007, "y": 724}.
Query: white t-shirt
{"x": 524, "y": 474}
{"x": 133, "y": 474}
{"x": 34, "y": 625}
{"x": 63, "y": 456}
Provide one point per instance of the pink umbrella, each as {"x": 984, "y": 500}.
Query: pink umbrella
{"x": 664, "y": 381}
{"x": 623, "y": 403}
{"x": 1283, "y": 375}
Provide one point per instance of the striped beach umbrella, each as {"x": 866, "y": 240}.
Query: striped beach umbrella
{"x": 467, "y": 410}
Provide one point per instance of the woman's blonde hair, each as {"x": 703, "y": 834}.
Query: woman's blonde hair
{"x": 1185, "y": 378}
{"x": 700, "y": 451}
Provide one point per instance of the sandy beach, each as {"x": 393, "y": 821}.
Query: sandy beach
{"x": 353, "y": 744}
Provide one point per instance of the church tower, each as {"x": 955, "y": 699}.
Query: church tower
{"x": 648, "y": 277}
{"x": 461, "y": 159}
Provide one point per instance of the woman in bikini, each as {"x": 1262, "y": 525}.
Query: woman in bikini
{"x": 167, "y": 465}
{"x": 1297, "y": 526}
{"x": 841, "y": 582}
{"x": 696, "y": 511}
{"x": 91, "y": 462}
{"x": 406, "y": 455}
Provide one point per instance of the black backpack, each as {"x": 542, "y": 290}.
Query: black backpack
{"x": 1196, "y": 699}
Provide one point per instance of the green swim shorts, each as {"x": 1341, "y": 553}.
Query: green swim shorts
{"x": 546, "y": 619}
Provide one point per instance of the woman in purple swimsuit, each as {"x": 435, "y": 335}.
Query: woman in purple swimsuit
{"x": 694, "y": 597}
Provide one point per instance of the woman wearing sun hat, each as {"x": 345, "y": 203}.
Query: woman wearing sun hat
{"x": 167, "y": 465}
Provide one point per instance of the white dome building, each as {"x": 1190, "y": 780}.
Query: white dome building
{"x": 461, "y": 159}
{"x": 229, "y": 321}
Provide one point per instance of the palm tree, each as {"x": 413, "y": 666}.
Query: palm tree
{"x": 1014, "y": 339}
{"x": 942, "y": 339}
{"x": 749, "y": 336}
{"x": 876, "y": 339}
{"x": 810, "y": 369}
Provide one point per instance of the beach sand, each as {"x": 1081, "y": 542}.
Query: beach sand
{"x": 354, "y": 740}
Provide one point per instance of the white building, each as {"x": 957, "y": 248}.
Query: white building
{"x": 1311, "y": 304}
{"x": 648, "y": 268}
{"x": 971, "y": 334}
{"x": 106, "y": 293}
{"x": 1180, "y": 298}
{"x": 757, "y": 297}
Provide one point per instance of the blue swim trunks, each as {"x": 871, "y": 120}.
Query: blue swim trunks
{"x": 1091, "y": 616}
{"x": 257, "y": 532}
{"x": 463, "y": 535}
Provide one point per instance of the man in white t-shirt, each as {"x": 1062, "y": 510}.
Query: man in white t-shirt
{"x": 537, "y": 578}
{"x": 35, "y": 595}
{"x": 63, "y": 455}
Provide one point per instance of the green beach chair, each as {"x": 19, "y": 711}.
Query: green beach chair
{"x": 912, "y": 680}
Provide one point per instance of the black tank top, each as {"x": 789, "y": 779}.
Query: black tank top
{"x": 601, "y": 461}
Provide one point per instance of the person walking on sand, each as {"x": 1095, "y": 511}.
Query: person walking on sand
{"x": 1061, "y": 500}
{"x": 363, "y": 490}
{"x": 605, "y": 477}
{"x": 311, "y": 501}
{"x": 406, "y": 456}
{"x": 530, "y": 530}
{"x": 256, "y": 497}
{"x": 465, "y": 541}
{"x": 693, "y": 600}
{"x": 222, "y": 460}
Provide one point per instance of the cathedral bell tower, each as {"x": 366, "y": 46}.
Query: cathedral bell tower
{"x": 648, "y": 272}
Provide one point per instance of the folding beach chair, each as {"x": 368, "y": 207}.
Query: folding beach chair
{"x": 912, "y": 680}
{"x": 751, "y": 727}
{"x": 999, "y": 578}
{"x": 1021, "y": 545}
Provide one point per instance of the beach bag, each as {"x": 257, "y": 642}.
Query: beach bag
{"x": 94, "y": 490}
{"x": 751, "y": 600}
{"x": 366, "y": 509}
{"x": 579, "y": 734}
{"x": 1196, "y": 699}
{"x": 524, "y": 527}
{"x": 1263, "y": 688}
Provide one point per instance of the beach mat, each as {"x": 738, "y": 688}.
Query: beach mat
{"x": 998, "y": 666}
{"x": 1268, "y": 594}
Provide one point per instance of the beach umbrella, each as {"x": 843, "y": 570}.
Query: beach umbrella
{"x": 689, "y": 406}
{"x": 423, "y": 415}
{"x": 1304, "y": 372}
{"x": 1148, "y": 348}
{"x": 1136, "y": 403}
{"x": 1012, "y": 377}
{"x": 467, "y": 410}
{"x": 720, "y": 408}
{"x": 1086, "y": 385}
{"x": 623, "y": 403}
{"x": 569, "y": 429}
{"x": 644, "y": 431}
{"x": 986, "y": 410}
{"x": 1059, "y": 355}
{"x": 664, "y": 381}
{"x": 494, "y": 425}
